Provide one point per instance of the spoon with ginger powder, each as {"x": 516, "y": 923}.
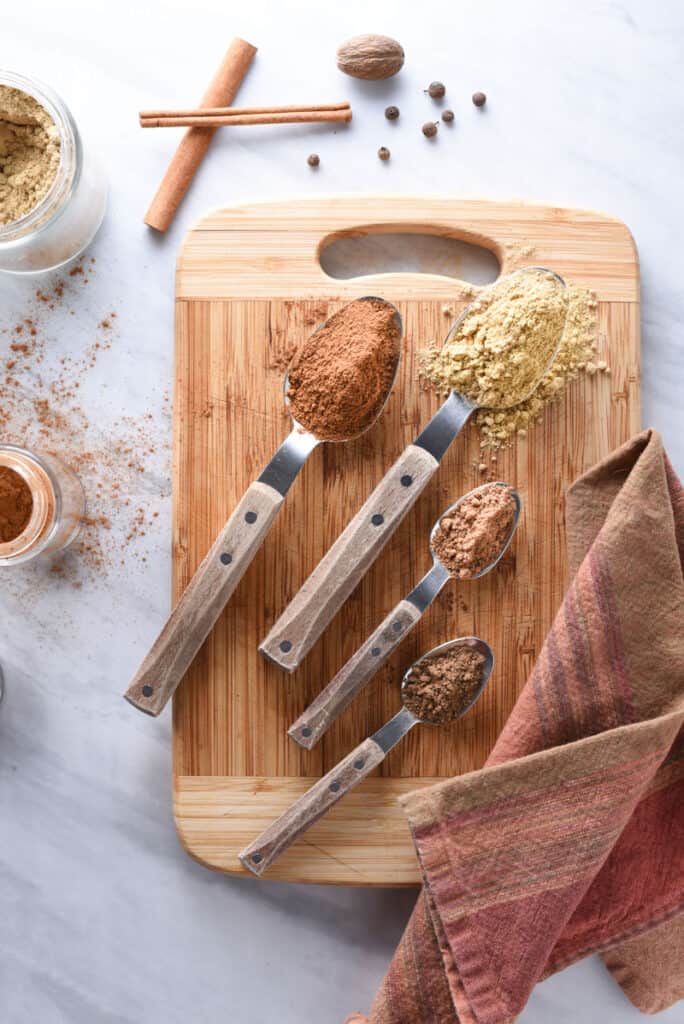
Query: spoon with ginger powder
{"x": 321, "y": 596}
{"x": 232, "y": 552}
{"x": 347, "y": 774}
{"x": 357, "y": 672}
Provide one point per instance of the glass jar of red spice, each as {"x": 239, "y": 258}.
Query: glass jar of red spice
{"x": 42, "y": 505}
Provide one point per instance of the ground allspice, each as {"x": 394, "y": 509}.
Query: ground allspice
{"x": 16, "y": 504}
{"x": 440, "y": 688}
{"x": 340, "y": 378}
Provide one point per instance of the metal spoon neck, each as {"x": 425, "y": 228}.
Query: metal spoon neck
{"x": 424, "y": 593}
{"x": 391, "y": 732}
{"x": 282, "y": 470}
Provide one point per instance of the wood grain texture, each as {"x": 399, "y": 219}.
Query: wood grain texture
{"x": 348, "y": 560}
{"x": 249, "y": 287}
{"x": 204, "y": 599}
{"x": 310, "y": 806}
{"x": 356, "y": 673}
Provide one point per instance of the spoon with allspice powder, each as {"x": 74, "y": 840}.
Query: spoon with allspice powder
{"x": 495, "y": 355}
{"x": 437, "y": 689}
{"x": 466, "y": 542}
{"x": 335, "y": 388}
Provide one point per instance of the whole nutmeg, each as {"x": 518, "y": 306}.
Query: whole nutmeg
{"x": 429, "y": 129}
{"x": 371, "y": 57}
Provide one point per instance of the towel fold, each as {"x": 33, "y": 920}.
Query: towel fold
{"x": 571, "y": 840}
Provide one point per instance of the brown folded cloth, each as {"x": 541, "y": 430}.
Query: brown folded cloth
{"x": 571, "y": 840}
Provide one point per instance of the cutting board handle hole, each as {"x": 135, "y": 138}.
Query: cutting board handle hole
{"x": 391, "y": 252}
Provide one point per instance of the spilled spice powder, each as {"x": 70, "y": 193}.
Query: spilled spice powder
{"x": 16, "y": 504}
{"x": 340, "y": 378}
{"x": 474, "y": 534}
{"x": 441, "y": 687}
{"x": 43, "y": 406}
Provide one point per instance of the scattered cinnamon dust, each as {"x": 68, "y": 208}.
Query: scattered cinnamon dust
{"x": 43, "y": 407}
{"x": 342, "y": 375}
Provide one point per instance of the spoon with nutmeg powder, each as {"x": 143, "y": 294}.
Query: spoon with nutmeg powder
{"x": 343, "y": 566}
{"x": 347, "y": 774}
{"x": 232, "y": 552}
{"x": 357, "y": 672}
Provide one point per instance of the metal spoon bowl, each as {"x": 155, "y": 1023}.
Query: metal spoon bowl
{"x": 466, "y": 312}
{"x": 300, "y": 442}
{"x": 464, "y": 641}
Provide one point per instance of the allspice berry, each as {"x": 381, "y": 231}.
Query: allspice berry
{"x": 436, "y": 90}
{"x": 430, "y": 129}
{"x": 384, "y": 153}
{"x": 391, "y": 113}
{"x": 479, "y": 99}
{"x": 313, "y": 160}
{"x": 447, "y": 116}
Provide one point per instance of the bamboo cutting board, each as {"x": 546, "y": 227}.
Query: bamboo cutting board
{"x": 249, "y": 289}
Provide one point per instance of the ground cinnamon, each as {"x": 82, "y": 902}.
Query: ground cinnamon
{"x": 16, "y": 504}
{"x": 472, "y": 536}
{"x": 340, "y": 379}
{"x": 441, "y": 687}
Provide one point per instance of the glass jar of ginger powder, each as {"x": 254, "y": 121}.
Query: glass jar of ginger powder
{"x": 52, "y": 188}
{"x": 42, "y": 505}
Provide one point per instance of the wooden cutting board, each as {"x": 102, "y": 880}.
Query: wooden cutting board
{"x": 249, "y": 289}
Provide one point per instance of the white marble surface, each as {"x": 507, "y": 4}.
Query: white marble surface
{"x": 103, "y": 918}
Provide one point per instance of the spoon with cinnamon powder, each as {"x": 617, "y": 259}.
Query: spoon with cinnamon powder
{"x": 438, "y": 688}
{"x": 335, "y": 388}
{"x": 466, "y": 542}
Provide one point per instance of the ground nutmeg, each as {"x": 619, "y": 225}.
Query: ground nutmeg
{"x": 473, "y": 535}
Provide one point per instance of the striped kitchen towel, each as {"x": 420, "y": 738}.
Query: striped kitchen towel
{"x": 571, "y": 840}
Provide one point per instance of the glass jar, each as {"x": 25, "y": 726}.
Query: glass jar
{"x": 58, "y": 505}
{"x": 67, "y": 217}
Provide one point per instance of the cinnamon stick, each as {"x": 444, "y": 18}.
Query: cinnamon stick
{"x": 295, "y": 117}
{"x": 146, "y": 115}
{"x": 196, "y": 141}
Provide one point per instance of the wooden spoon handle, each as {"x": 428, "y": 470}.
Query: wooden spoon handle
{"x": 352, "y": 554}
{"x": 353, "y": 676}
{"x": 204, "y": 599}
{"x": 312, "y": 805}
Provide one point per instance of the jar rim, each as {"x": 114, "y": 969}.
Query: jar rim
{"x": 66, "y": 180}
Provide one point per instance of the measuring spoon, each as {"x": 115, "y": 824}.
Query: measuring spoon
{"x": 313, "y": 804}
{"x": 371, "y": 655}
{"x": 209, "y": 590}
{"x": 346, "y": 562}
